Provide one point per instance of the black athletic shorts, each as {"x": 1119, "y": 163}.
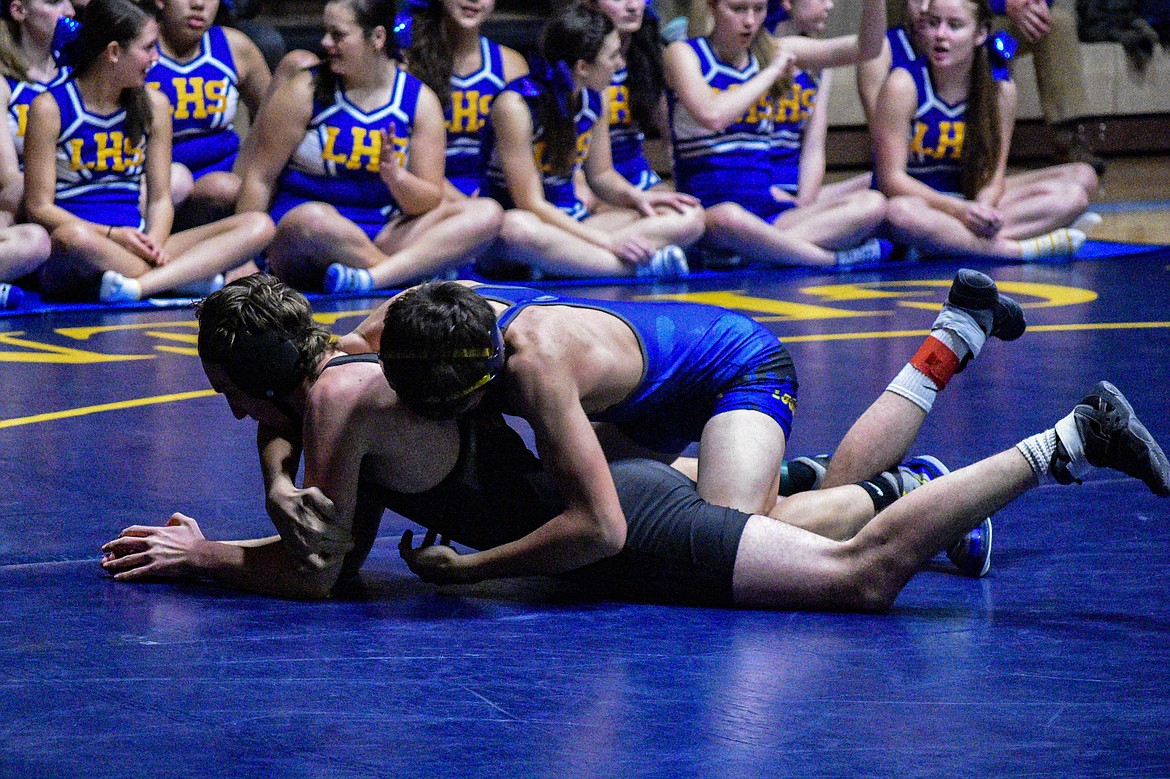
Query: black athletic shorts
{"x": 679, "y": 548}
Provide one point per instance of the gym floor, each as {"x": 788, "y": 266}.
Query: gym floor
{"x": 1056, "y": 664}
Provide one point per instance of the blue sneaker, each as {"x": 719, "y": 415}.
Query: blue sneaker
{"x": 10, "y": 296}
{"x": 870, "y": 254}
{"x": 342, "y": 278}
{"x": 669, "y": 262}
{"x": 971, "y": 554}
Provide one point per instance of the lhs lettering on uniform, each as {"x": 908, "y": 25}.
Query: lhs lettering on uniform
{"x": 950, "y": 140}
{"x": 795, "y": 105}
{"x": 761, "y": 110}
{"x": 21, "y": 119}
{"x": 114, "y": 152}
{"x": 468, "y": 110}
{"x": 544, "y": 166}
{"x": 619, "y": 104}
{"x": 365, "y": 149}
{"x": 196, "y": 97}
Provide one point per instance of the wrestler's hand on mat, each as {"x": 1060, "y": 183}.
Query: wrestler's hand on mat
{"x": 141, "y": 551}
{"x": 633, "y": 250}
{"x": 983, "y": 220}
{"x": 307, "y": 522}
{"x": 433, "y": 561}
{"x": 653, "y": 201}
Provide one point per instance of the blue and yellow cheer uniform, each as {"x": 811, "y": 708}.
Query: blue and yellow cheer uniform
{"x": 204, "y": 94}
{"x": 337, "y": 162}
{"x": 466, "y": 117}
{"x": 626, "y": 138}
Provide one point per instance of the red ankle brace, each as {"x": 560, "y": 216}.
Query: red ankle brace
{"x": 936, "y": 360}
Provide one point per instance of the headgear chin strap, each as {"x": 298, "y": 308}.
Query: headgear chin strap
{"x": 449, "y": 404}
{"x": 264, "y": 365}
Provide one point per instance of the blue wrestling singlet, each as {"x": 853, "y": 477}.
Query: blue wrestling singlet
{"x": 99, "y": 171}
{"x": 203, "y": 94}
{"x": 21, "y": 95}
{"x": 558, "y": 189}
{"x": 625, "y": 137}
{"x": 790, "y": 115}
{"x": 699, "y": 361}
{"x": 471, "y": 105}
{"x": 337, "y": 162}
{"x": 733, "y": 164}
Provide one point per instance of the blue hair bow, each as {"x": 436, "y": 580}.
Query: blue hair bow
{"x": 404, "y": 21}
{"x": 1001, "y": 47}
{"x": 776, "y": 14}
{"x": 66, "y": 33}
{"x": 558, "y": 76}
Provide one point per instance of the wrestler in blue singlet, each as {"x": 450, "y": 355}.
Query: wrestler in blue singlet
{"x": 21, "y": 95}
{"x": 558, "y": 190}
{"x": 337, "y": 162}
{"x": 98, "y": 170}
{"x": 734, "y": 164}
{"x": 791, "y": 112}
{"x": 471, "y": 104}
{"x": 699, "y": 361}
{"x": 203, "y": 94}
{"x": 625, "y": 137}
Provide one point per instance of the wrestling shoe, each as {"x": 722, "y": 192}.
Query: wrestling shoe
{"x": 10, "y": 296}
{"x": 669, "y": 262}
{"x": 996, "y": 314}
{"x": 971, "y": 554}
{"x": 1103, "y": 431}
{"x": 343, "y": 278}
{"x": 803, "y": 474}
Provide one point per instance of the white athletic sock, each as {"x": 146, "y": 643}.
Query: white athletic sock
{"x": 1062, "y": 242}
{"x": 1038, "y": 451}
{"x": 116, "y": 288}
{"x": 915, "y": 386}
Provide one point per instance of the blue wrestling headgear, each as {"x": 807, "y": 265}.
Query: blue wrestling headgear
{"x": 475, "y": 368}
{"x": 1001, "y": 47}
{"x": 65, "y": 36}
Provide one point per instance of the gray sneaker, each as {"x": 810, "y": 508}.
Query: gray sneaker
{"x": 1111, "y": 436}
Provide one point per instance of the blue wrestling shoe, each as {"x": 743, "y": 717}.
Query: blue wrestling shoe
{"x": 669, "y": 262}
{"x": 971, "y": 554}
{"x": 342, "y": 278}
{"x": 10, "y": 296}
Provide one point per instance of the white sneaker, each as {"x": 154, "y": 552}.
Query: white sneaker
{"x": 669, "y": 262}
{"x": 116, "y": 288}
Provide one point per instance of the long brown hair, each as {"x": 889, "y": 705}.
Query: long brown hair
{"x": 430, "y": 57}
{"x": 981, "y": 141}
{"x": 103, "y": 21}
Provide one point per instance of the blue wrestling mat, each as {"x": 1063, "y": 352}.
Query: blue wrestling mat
{"x": 1055, "y": 665}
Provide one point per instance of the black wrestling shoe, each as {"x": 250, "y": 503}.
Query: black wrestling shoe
{"x": 997, "y": 314}
{"x": 1106, "y": 429}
